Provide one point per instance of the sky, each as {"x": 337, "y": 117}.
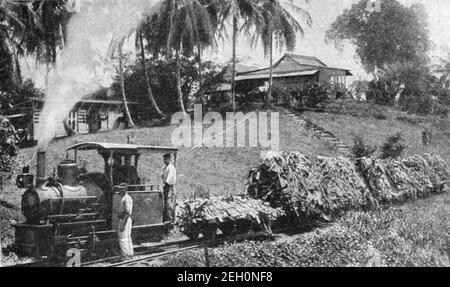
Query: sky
{"x": 323, "y": 12}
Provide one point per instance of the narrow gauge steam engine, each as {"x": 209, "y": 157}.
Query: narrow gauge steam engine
{"x": 78, "y": 209}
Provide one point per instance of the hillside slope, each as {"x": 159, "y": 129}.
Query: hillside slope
{"x": 377, "y": 124}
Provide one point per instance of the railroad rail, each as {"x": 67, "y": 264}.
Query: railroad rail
{"x": 190, "y": 245}
{"x": 150, "y": 253}
{"x": 174, "y": 247}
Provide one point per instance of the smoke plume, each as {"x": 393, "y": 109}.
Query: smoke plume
{"x": 83, "y": 63}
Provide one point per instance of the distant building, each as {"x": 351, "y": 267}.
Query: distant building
{"x": 293, "y": 69}
{"x": 88, "y": 116}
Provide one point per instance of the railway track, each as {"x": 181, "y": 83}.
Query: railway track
{"x": 153, "y": 252}
{"x": 173, "y": 248}
{"x": 141, "y": 260}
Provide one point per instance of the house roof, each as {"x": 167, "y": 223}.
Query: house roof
{"x": 306, "y": 60}
{"x": 283, "y": 75}
{"x": 129, "y": 148}
{"x": 89, "y": 101}
{"x": 288, "y": 65}
{"x": 240, "y": 68}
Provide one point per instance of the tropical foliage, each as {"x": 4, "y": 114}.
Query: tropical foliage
{"x": 29, "y": 28}
{"x": 280, "y": 27}
{"x": 394, "y": 34}
{"x": 163, "y": 84}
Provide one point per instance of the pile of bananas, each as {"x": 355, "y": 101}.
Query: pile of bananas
{"x": 309, "y": 187}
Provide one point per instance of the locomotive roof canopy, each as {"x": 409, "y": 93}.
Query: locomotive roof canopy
{"x": 123, "y": 148}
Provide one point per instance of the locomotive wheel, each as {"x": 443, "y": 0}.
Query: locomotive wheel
{"x": 243, "y": 227}
{"x": 192, "y": 232}
{"x": 228, "y": 229}
{"x": 209, "y": 231}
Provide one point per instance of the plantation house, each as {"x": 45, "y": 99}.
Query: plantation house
{"x": 293, "y": 69}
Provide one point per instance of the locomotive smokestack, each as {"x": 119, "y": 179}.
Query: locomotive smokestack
{"x": 41, "y": 165}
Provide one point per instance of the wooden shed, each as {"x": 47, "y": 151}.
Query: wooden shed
{"x": 88, "y": 116}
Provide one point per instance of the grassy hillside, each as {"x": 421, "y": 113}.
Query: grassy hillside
{"x": 376, "y": 123}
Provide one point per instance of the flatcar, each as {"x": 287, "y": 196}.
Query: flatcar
{"x": 79, "y": 209}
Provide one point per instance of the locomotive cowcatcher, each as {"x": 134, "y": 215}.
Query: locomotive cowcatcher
{"x": 79, "y": 209}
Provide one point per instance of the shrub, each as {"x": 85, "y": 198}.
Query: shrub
{"x": 441, "y": 110}
{"x": 416, "y": 102}
{"x": 361, "y": 148}
{"x": 316, "y": 94}
{"x": 393, "y": 147}
{"x": 281, "y": 94}
{"x": 382, "y": 92}
{"x": 8, "y": 145}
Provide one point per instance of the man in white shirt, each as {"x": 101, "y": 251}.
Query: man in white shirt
{"x": 125, "y": 224}
{"x": 169, "y": 179}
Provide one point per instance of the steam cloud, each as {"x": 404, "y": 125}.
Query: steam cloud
{"x": 85, "y": 60}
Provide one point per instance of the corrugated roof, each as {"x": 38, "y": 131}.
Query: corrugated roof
{"x": 88, "y": 101}
{"x": 306, "y": 60}
{"x": 240, "y": 68}
{"x": 266, "y": 76}
{"x": 291, "y": 63}
{"x": 120, "y": 147}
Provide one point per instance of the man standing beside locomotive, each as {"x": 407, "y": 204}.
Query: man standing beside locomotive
{"x": 169, "y": 179}
{"x": 125, "y": 224}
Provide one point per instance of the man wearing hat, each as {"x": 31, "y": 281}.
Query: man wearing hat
{"x": 169, "y": 179}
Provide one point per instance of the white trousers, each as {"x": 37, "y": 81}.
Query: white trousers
{"x": 125, "y": 242}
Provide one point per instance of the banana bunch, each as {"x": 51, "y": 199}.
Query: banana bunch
{"x": 409, "y": 179}
{"x": 308, "y": 186}
{"x": 224, "y": 209}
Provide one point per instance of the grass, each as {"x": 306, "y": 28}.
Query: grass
{"x": 415, "y": 234}
{"x": 375, "y": 129}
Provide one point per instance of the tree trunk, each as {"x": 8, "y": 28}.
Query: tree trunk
{"x": 233, "y": 76}
{"x": 269, "y": 92}
{"x": 18, "y": 75}
{"x": 68, "y": 128}
{"x": 199, "y": 52}
{"x": 47, "y": 75}
{"x": 13, "y": 61}
{"x": 122, "y": 88}
{"x": 147, "y": 79}
{"x": 178, "y": 77}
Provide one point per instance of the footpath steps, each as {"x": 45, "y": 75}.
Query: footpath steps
{"x": 320, "y": 133}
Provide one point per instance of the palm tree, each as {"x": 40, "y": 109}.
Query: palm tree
{"x": 116, "y": 50}
{"x": 182, "y": 28}
{"x": 147, "y": 79}
{"x": 31, "y": 28}
{"x": 280, "y": 25}
{"x": 122, "y": 86}
{"x": 248, "y": 11}
{"x": 45, "y": 31}
{"x": 10, "y": 22}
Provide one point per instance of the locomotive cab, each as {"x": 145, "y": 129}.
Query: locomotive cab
{"x": 79, "y": 209}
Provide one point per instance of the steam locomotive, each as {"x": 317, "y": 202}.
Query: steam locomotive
{"x": 77, "y": 209}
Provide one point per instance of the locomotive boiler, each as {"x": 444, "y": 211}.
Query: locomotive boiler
{"x": 78, "y": 209}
